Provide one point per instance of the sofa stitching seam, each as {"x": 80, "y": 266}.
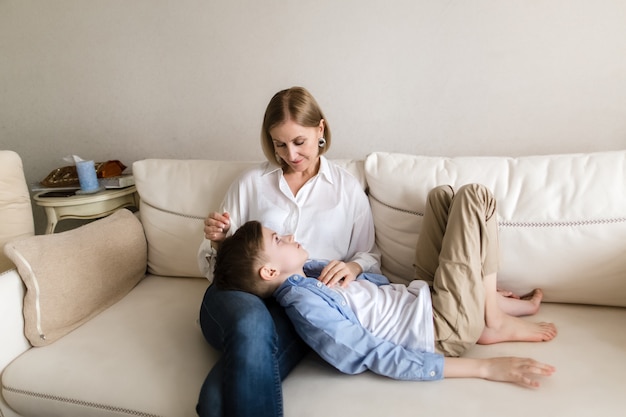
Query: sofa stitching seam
{"x": 78, "y": 402}
{"x": 524, "y": 224}
{"x": 566, "y": 223}
{"x": 188, "y": 216}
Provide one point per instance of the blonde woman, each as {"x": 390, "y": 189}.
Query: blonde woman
{"x": 299, "y": 192}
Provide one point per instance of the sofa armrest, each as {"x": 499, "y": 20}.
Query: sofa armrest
{"x": 14, "y": 343}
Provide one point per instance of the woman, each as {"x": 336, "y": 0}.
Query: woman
{"x": 296, "y": 192}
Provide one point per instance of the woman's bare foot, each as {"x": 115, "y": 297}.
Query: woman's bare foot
{"x": 525, "y": 305}
{"x": 513, "y": 329}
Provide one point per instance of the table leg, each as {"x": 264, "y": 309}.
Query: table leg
{"x": 51, "y": 214}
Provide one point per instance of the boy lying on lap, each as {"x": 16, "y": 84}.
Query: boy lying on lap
{"x": 414, "y": 332}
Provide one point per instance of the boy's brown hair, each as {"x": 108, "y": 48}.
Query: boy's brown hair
{"x": 239, "y": 259}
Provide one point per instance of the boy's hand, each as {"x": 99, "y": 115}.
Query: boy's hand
{"x": 339, "y": 272}
{"x": 521, "y": 371}
{"x": 216, "y": 225}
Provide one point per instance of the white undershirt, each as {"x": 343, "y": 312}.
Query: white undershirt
{"x": 394, "y": 312}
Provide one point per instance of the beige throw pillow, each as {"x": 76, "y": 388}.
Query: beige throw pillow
{"x": 72, "y": 276}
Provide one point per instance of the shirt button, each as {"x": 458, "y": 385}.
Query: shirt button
{"x": 319, "y": 284}
{"x": 432, "y": 373}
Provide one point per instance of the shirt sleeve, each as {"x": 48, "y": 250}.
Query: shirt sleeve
{"x": 350, "y": 348}
{"x": 206, "y": 256}
{"x": 363, "y": 239}
{"x": 232, "y": 204}
{"x": 363, "y": 242}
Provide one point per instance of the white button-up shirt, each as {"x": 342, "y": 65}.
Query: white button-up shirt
{"x": 330, "y": 215}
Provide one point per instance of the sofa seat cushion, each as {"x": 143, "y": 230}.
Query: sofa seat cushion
{"x": 562, "y": 218}
{"x": 139, "y": 372}
{"x": 143, "y": 356}
{"x": 590, "y": 376}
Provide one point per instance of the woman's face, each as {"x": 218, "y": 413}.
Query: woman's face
{"x": 297, "y": 145}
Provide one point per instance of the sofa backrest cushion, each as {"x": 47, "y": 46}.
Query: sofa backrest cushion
{"x": 176, "y": 196}
{"x": 16, "y": 216}
{"x": 72, "y": 276}
{"x": 562, "y": 218}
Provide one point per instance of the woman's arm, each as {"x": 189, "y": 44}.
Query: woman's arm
{"x": 361, "y": 255}
{"x": 231, "y": 211}
{"x": 363, "y": 242}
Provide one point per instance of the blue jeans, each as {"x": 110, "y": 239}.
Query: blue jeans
{"x": 259, "y": 348}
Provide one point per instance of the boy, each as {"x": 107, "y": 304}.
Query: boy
{"x": 413, "y": 332}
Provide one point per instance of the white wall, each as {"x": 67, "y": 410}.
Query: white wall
{"x": 119, "y": 79}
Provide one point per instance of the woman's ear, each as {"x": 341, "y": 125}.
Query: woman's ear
{"x": 268, "y": 273}
{"x": 322, "y": 127}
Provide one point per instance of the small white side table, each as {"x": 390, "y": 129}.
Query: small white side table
{"x": 86, "y": 206}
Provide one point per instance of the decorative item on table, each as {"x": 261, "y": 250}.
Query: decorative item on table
{"x": 68, "y": 176}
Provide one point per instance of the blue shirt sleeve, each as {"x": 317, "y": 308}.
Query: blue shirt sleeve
{"x": 333, "y": 331}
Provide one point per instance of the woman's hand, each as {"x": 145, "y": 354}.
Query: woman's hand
{"x": 339, "y": 272}
{"x": 216, "y": 225}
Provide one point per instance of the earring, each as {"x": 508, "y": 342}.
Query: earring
{"x": 321, "y": 142}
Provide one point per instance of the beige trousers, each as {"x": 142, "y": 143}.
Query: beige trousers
{"x": 457, "y": 247}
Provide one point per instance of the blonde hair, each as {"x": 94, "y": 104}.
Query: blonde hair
{"x": 297, "y": 104}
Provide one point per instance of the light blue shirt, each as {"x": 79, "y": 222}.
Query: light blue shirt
{"x": 328, "y": 325}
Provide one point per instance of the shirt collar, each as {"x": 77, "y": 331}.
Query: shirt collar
{"x": 270, "y": 168}
{"x": 324, "y": 172}
{"x": 325, "y": 169}
{"x": 289, "y": 282}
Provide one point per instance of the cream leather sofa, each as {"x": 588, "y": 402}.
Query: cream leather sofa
{"x": 140, "y": 352}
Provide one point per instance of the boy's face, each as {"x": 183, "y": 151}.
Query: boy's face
{"x": 283, "y": 252}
